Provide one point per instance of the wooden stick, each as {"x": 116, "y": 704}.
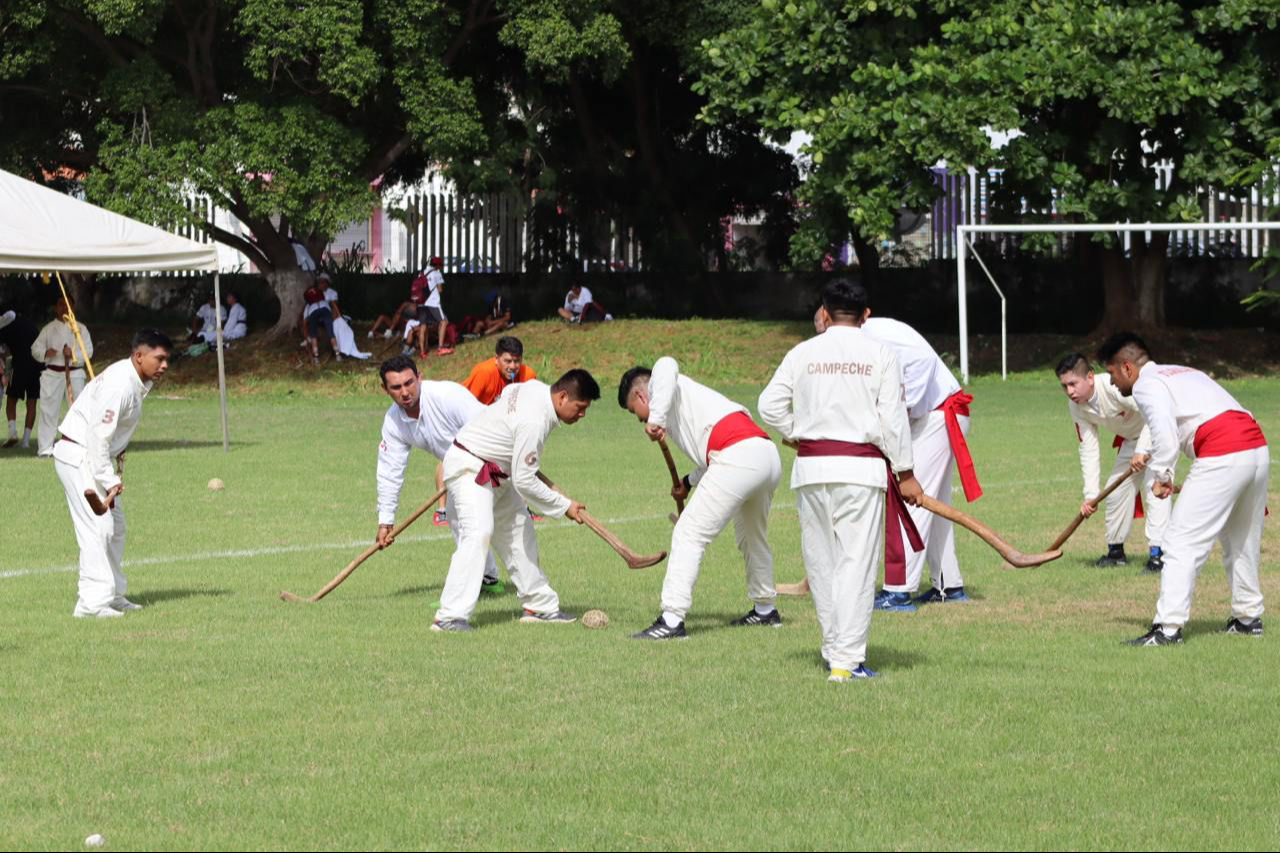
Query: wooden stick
{"x": 1075, "y": 523}
{"x": 675, "y": 477}
{"x": 66, "y": 376}
{"x": 285, "y": 595}
{"x": 1012, "y": 555}
{"x": 634, "y": 560}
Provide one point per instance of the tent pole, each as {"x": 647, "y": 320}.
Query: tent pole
{"x": 222, "y": 370}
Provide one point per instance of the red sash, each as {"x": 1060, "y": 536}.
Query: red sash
{"x": 1229, "y": 432}
{"x": 1137, "y": 499}
{"x": 491, "y": 473}
{"x": 954, "y": 406}
{"x": 895, "y": 517}
{"x": 731, "y": 429}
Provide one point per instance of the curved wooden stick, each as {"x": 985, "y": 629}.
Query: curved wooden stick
{"x": 1071, "y": 528}
{"x": 285, "y": 595}
{"x": 66, "y": 376}
{"x": 675, "y": 477}
{"x": 634, "y": 560}
{"x": 1011, "y": 555}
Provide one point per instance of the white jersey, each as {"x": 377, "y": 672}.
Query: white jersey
{"x": 511, "y": 433}
{"x": 687, "y": 410}
{"x": 1176, "y": 401}
{"x": 926, "y": 379}
{"x": 443, "y": 409}
{"x": 237, "y": 325}
{"x": 1115, "y": 412}
{"x": 206, "y": 315}
{"x": 103, "y": 418}
{"x": 435, "y": 280}
{"x": 842, "y": 385}
{"x": 54, "y": 336}
{"x": 576, "y": 304}
{"x": 330, "y": 296}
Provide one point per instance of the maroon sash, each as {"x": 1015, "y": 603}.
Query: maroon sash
{"x": 491, "y": 473}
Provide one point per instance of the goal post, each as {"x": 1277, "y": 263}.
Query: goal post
{"x": 964, "y": 244}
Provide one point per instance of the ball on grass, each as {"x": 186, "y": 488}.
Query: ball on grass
{"x": 595, "y": 619}
{"x": 216, "y": 485}
{"x": 95, "y": 840}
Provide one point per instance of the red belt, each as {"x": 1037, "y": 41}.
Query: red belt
{"x": 491, "y": 473}
{"x": 732, "y": 429}
{"x": 896, "y": 516}
{"x": 1229, "y": 432}
{"x": 954, "y": 406}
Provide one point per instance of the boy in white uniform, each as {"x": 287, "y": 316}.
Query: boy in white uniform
{"x": 237, "y": 325}
{"x": 838, "y": 398}
{"x": 88, "y": 458}
{"x": 490, "y": 472}
{"x": 1224, "y": 496}
{"x": 736, "y": 472}
{"x": 427, "y": 415}
{"x": 57, "y": 349}
{"x": 575, "y": 301}
{"x": 1094, "y": 401}
{"x": 205, "y": 324}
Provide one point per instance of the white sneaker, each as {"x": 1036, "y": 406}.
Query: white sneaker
{"x": 387, "y": 334}
{"x": 370, "y": 335}
{"x": 123, "y": 604}
{"x": 82, "y": 612}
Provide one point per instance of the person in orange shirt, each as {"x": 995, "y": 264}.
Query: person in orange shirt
{"x": 485, "y": 383}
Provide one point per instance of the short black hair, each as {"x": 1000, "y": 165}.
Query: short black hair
{"x": 845, "y": 296}
{"x": 151, "y": 339}
{"x": 395, "y": 364}
{"x": 1126, "y": 344}
{"x": 580, "y": 384}
{"x": 511, "y": 344}
{"x": 1074, "y": 363}
{"x": 628, "y": 379}
{"x": 233, "y": 295}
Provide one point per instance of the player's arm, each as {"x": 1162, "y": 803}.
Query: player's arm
{"x": 891, "y": 410}
{"x": 662, "y": 391}
{"x": 1156, "y": 404}
{"x": 776, "y": 400}
{"x": 1090, "y": 455}
{"x": 40, "y": 349}
{"x": 524, "y": 472}
{"x": 104, "y": 419}
{"x": 393, "y": 460}
{"x": 88, "y": 343}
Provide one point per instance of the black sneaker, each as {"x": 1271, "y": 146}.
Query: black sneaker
{"x": 1236, "y": 626}
{"x": 1156, "y": 637}
{"x": 452, "y": 626}
{"x": 659, "y": 630}
{"x": 1111, "y": 558}
{"x": 1154, "y": 564}
{"x": 772, "y": 619}
{"x": 938, "y": 596}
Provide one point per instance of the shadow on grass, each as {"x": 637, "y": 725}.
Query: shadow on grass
{"x": 1194, "y": 628}
{"x": 878, "y": 658}
{"x": 181, "y": 444}
{"x": 419, "y": 590}
{"x": 157, "y": 596}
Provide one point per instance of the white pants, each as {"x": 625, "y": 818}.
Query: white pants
{"x": 1119, "y": 513}
{"x": 53, "y": 390}
{"x": 1224, "y": 499}
{"x": 490, "y": 564}
{"x": 842, "y": 539}
{"x": 738, "y": 485}
{"x": 934, "y": 463}
{"x": 482, "y": 516}
{"x": 100, "y": 537}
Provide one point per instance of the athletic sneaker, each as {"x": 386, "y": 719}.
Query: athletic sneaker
{"x": 1156, "y": 637}
{"x": 894, "y": 601}
{"x": 1237, "y": 626}
{"x": 337, "y": 356}
{"x": 386, "y": 335}
{"x": 660, "y": 630}
{"x": 123, "y": 604}
{"x": 773, "y": 619}
{"x": 458, "y": 625}
{"x": 441, "y": 518}
{"x": 840, "y": 675}
{"x": 13, "y": 439}
{"x": 1110, "y": 559}
{"x": 558, "y": 617}
{"x": 370, "y": 335}
{"x": 82, "y": 612}
{"x": 1154, "y": 564}
{"x": 492, "y": 586}
{"x": 535, "y": 516}
{"x": 445, "y": 351}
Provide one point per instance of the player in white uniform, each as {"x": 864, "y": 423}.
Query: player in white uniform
{"x": 205, "y": 324}
{"x": 237, "y": 325}
{"x": 838, "y": 398}
{"x": 575, "y": 300}
{"x": 736, "y": 472}
{"x": 1094, "y": 401}
{"x": 491, "y": 471}
{"x": 1224, "y": 496}
{"x": 57, "y": 349}
{"x": 89, "y": 457}
{"x": 427, "y": 415}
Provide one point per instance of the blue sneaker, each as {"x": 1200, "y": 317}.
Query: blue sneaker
{"x": 936, "y": 596}
{"x": 896, "y": 601}
{"x": 840, "y": 675}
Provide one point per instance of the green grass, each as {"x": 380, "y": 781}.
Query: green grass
{"x": 222, "y": 718}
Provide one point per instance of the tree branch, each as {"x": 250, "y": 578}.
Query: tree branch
{"x": 251, "y": 251}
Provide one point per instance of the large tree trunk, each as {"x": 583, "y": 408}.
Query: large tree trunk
{"x": 1133, "y": 286}
{"x": 288, "y": 284}
{"x": 868, "y": 258}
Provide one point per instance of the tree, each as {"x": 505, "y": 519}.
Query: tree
{"x": 1105, "y": 96}
{"x": 291, "y": 114}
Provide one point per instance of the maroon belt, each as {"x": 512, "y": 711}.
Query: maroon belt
{"x": 895, "y": 518}
{"x": 491, "y": 474}
{"x": 62, "y": 368}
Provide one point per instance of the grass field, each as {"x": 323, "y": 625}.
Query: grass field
{"x": 222, "y": 718}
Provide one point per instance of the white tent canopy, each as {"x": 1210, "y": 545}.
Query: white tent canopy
{"x": 41, "y": 230}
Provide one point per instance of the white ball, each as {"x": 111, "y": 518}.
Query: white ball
{"x": 216, "y": 485}
{"x": 95, "y": 840}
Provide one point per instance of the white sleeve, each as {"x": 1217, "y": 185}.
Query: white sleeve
{"x": 40, "y": 344}
{"x": 393, "y": 459}
{"x": 891, "y": 408}
{"x": 88, "y": 346}
{"x": 524, "y": 471}
{"x": 103, "y": 416}
{"x": 1090, "y": 464}
{"x": 662, "y": 389}
{"x": 1143, "y": 444}
{"x": 913, "y": 380}
{"x": 776, "y": 400}
{"x": 1156, "y": 404}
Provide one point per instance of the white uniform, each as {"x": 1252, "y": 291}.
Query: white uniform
{"x": 734, "y": 483}
{"x": 99, "y": 427}
{"x": 510, "y": 433}
{"x": 843, "y": 386}
{"x": 435, "y": 280}
{"x": 237, "y": 325}
{"x": 209, "y": 322}
{"x": 443, "y": 409}
{"x": 575, "y": 304}
{"x": 53, "y": 382}
{"x": 1110, "y": 409}
{"x": 1224, "y": 496}
{"x": 928, "y": 384}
